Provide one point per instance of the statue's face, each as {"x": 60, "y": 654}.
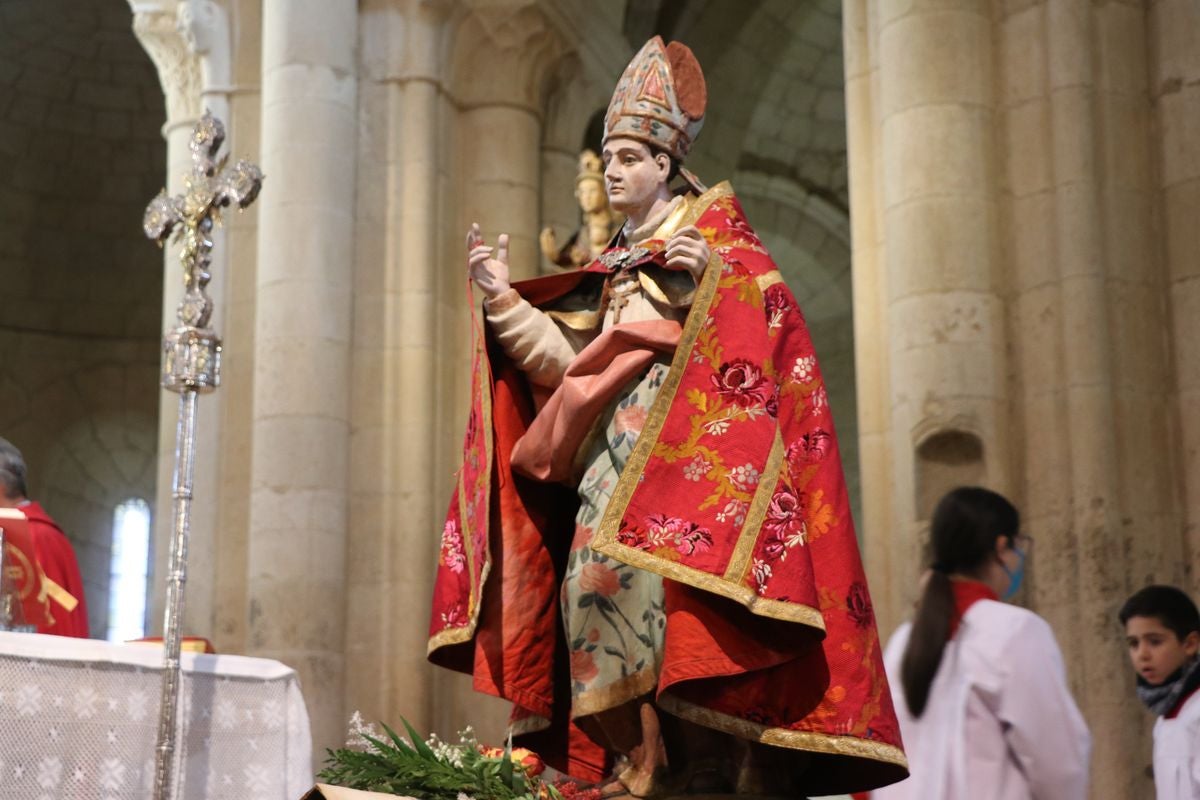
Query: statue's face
{"x": 591, "y": 195}
{"x": 633, "y": 175}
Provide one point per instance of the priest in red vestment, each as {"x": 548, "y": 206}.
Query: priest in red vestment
{"x": 650, "y": 550}
{"x": 64, "y": 612}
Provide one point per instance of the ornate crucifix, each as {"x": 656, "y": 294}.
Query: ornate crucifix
{"x": 191, "y": 365}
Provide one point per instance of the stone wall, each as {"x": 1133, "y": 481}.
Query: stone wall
{"x": 1021, "y": 320}
{"x": 80, "y": 287}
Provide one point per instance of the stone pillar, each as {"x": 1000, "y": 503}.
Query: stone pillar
{"x": 501, "y": 57}
{"x": 1078, "y": 250}
{"x": 398, "y": 497}
{"x": 889, "y": 574}
{"x": 945, "y": 315}
{"x": 503, "y": 61}
{"x": 237, "y": 389}
{"x": 1174, "y": 84}
{"x": 188, "y": 42}
{"x": 297, "y": 544}
{"x": 1039, "y": 244}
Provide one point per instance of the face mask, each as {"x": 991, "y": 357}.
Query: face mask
{"x": 1015, "y": 576}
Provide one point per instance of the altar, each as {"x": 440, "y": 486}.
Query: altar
{"x": 78, "y": 720}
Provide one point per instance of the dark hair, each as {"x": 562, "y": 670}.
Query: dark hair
{"x": 1170, "y": 606}
{"x": 656, "y": 151}
{"x": 962, "y": 538}
{"x": 12, "y": 470}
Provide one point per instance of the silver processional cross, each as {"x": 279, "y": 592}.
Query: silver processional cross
{"x": 191, "y": 366}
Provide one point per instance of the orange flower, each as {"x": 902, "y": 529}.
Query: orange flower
{"x": 529, "y": 761}
{"x": 523, "y": 757}
{"x": 593, "y": 635}
{"x": 600, "y": 579}
{"x": 819, "y": 513}
{"x": 583, "y": 666}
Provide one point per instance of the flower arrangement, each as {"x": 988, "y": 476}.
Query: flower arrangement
{"x": 431, "y": 769}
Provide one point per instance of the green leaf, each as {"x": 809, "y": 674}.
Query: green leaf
{"x": 417, "y": 742}
{"x": 397, "y": 742}
{"x": 506, "y": 769}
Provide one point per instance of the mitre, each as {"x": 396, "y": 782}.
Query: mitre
{"x": 660, "y": 99}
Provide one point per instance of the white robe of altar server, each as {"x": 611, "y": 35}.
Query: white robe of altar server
{"x": 1177, "y": 753}
{"x": 1000, "y": 723}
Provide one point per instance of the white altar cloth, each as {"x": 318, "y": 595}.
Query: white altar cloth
{"x": 79, "y": 721}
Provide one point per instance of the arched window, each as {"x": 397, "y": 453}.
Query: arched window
{"x": 128, "y": 570}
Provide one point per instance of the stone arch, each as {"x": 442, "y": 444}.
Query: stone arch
{"x": 82, "y": 287}
{"x": 91, "y": 467}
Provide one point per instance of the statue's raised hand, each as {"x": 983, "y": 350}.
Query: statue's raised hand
{"x": 490, "y": 274}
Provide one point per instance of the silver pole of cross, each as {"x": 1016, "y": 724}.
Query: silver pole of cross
{"x": 191, "y": 367}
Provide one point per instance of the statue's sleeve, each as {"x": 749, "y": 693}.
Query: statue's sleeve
{"x": 538, "y": 346}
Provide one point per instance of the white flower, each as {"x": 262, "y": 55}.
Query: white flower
{"x": 734, "y": 509}
{"x": 445, "y": 752}
{"x": 717, "y": 426}
{"x": 744, "y": 476}
{"x": 358, "y": 731}
{"x": 697, "y": 469}
{"x": 762, "y": 573}
{"x": 802, "y": 370}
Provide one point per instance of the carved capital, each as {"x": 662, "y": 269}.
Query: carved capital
{"x": 507, "y": 51}
{"x": 189, "y": 43}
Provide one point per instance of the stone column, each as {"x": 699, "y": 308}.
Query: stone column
{"x": 503, "y": 61}
{"x": 1175, "y": 89}
{"x": 297, "y": 544}
{"x": 1087, "y": 369}
{"x": 501, "y": 57}
{"x": 945, "y": 315}
{"x": 189, "y": 44}
{"x": 398, "y": 497}
{"x": 237, "y": 389}
{"x": 889, "y": 574}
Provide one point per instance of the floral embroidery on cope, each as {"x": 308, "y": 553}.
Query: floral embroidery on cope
{"x": 452, "y": 556}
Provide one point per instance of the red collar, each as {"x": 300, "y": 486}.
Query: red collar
{"x": 967, "y": 594}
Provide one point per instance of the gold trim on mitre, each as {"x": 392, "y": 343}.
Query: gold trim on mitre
{"x": 659, "y": 99}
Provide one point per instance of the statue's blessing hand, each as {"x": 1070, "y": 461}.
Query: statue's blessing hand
{"x": 490, "y": 274}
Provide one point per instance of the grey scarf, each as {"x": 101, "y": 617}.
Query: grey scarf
{"x": 1162, "y": 699}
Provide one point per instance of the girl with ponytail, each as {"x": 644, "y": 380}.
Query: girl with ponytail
{"x": 979, "y": 685}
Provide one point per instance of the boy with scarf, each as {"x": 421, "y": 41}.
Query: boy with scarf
{"x": 1162, "y": 630}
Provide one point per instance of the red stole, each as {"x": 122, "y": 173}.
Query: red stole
{"x": 967, "y": 594}
{"x": 57, "y": 560}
